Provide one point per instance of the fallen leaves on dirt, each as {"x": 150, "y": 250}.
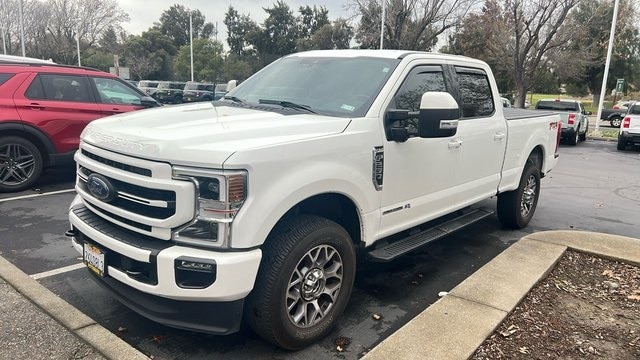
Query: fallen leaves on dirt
{"x": 588, "y": 307}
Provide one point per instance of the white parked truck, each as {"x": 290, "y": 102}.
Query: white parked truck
{"x": 255, "y": 206}
{"x": 630, "y": 127}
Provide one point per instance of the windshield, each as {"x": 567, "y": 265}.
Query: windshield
{"x": 150, "y": 84}
{"x": 339, "y": 86}
{"x": 196, "y": 86}
{"x": 170, "y": 85}
{"x": 557, "y": 105}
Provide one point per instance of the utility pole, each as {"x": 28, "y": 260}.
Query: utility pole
{"x": 603, "y": 90}
{"x": 191, "y": 40}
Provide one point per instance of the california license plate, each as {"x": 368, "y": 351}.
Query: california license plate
{"x": 94, "y": 259}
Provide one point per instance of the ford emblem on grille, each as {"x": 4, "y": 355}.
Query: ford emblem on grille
{"x": 100, "y": 187}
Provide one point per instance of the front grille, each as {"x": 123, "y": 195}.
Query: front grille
{"x": 118, "y": 165}
{"x": 118, "y": 233}
{"x": 136, "y": 199}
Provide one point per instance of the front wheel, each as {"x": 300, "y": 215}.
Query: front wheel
{"x": 574, "y": 138}
{"x": 583, "y": 136}
{"x": 20, "y": 163}
{"x": 616, "y": 121}
{"x": 304, "y": 282}
{"x": 516, "y": 208}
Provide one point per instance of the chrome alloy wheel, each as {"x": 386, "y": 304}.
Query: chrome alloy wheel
{"x": 528, "y": 196}
{"x": 17, "y": 164}
{"x": 314, "y": 286}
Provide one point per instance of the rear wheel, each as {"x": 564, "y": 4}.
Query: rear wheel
{"x": 20, "y": 163}
{"x": 621, "y": 144}
{"x": 583, "y": 136}
{"x": 574, "y": 138}
{"x": 616, "y": 121}
{"x": 516, "y": 208}
{"x": 304, "y": 282}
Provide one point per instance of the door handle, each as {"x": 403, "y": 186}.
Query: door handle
{"x": 454, "y": 144}
{"x": 499, "y": 136}
{"x": 36, "y": 106}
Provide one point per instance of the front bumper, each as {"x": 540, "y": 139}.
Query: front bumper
{"x": 142, "y": 272}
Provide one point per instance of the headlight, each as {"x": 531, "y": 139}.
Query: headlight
{"x": 219, "y": 196}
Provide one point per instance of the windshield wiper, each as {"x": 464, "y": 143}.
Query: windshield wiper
{"x": 287, "y": 104}
{"x": 234, "y": 99}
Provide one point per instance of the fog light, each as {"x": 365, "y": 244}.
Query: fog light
{"x": 193, "y": 273}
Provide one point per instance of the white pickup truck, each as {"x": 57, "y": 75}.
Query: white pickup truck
{"x": 630, "y": 127}
{"x": 255, "y": 206}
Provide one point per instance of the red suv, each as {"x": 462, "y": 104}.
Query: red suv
{"x": 43, "y": 109}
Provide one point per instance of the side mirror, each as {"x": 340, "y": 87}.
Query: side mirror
{"x": 231, "y": 85}
{"x": 439, "y": 114}
{"x": 148, "y": 102}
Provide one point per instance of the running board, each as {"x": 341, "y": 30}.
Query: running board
{"x": 400, "y": 247}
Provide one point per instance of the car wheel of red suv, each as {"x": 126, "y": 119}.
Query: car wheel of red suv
{"x": 20, "y": 163}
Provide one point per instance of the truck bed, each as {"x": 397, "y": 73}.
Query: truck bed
{"x": 517, "y": 113}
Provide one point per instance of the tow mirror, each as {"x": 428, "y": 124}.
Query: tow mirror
{"x": 439, "y": 114}
{"x": 231, "y": 85}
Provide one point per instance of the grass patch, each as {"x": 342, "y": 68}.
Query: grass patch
{"x": 604, "y": 133}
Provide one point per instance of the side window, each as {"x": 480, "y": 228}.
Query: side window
{"x": 112, "y": 91}
{"x": 65, "y": 87}
{"x": 409, "y": 96}
{"x": 416, "y": 84}
{"x": 35, "y": 90}
{"x": 476, "y": 98}
{"x": 4, "y": 77}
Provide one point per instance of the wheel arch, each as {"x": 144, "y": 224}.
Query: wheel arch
{"x": 336, "y": 207}
{"x": 37, "y": 137}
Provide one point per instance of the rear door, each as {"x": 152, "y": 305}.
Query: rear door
{"x": 60, "y": 105}
{"x": 115, "y": 96}
{"x": 481, "y": 135}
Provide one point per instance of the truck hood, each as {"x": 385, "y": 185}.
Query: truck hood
{"x": 204, "y": 134}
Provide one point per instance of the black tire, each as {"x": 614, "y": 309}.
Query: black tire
{"x": 20, "y": 163}
{"x": 583, "y": 136}
{"x": 574, "y": 139}
{"x": 516, "y": 208}
{"x": 286, "y": 262}
{"x": 621, "y": 144}
{"x": 616, "y": 121}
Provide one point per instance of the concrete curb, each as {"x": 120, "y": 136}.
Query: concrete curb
{"x": 454, "y": 326}
{"x": 105, "y": 342}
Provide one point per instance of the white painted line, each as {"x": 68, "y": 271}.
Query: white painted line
{"x": 37, "y": 195}
{"x": 53, "y": 272}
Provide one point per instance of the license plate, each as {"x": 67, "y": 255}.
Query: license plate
{"x": 94, "y": 259}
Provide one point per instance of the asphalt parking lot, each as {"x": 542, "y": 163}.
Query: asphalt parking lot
{"x": 594, "y": 187}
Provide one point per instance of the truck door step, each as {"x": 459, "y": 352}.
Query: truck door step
{"x": 400, "y": 247}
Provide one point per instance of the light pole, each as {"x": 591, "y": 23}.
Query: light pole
{"x": 78, "y": 43}
{"x": 382, "y": 25}
{"x": 191, "y": 41}
{"x": 21, "y": 27}
{"x": 603, "y": 90}
{"x": 4, "y": 40}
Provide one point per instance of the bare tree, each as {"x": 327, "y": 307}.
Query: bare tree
{"x": 409, "y": 24}
{"x": 535, "y": 33}
{"x": 51, "y": 27}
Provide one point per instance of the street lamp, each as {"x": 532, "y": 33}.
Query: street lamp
{"x": 191, "y": 40}
{"x": 382, "y": 25}
{"x": 77, "y": 22}
{"x": 3, "y": 28}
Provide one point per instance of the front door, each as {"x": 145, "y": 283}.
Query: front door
{"x": 419, "y": 174}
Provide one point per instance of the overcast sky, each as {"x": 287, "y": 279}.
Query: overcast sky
{"x": 144, "y": 13}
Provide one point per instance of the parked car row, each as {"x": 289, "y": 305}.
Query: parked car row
{"x": 630, "y": 127}
{"x": 174, "y": 92}
{"x": 615, "y": 115}
{"x": 43, "y": 109}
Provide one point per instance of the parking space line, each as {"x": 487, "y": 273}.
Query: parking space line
{"x": 53, "y": 272}
{"x": 37, "y": 195}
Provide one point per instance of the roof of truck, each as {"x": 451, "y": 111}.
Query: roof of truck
{"x": 388, "y": 54}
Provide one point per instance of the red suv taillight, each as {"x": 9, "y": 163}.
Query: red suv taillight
{"x": 572, "y": 119}
{"x": 626, "y": 123}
